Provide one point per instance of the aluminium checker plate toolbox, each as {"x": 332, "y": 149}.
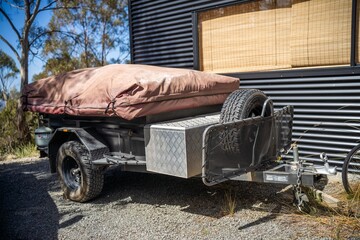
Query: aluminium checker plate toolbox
{"x": 175, "y": 147}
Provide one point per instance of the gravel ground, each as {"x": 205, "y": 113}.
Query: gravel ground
{"x": 147, "y": 206}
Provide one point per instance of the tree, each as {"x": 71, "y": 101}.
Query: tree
{"x": 8, "y": 72}
{"x": 87, "y": 33}
{"x": 28, "y": 35}
{"x": 75, "y": 23}
{"x": 57, "y": 65}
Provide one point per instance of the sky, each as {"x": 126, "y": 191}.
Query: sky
{"x": 17, "y": 16}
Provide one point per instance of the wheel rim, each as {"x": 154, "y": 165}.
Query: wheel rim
{"x": 255, "y": 112}
{"x": 71, "y": 173}
{"x": 353, "y": 174}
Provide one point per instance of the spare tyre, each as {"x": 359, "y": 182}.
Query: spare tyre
{"x": 241, "y": 104}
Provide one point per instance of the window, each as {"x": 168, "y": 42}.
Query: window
{"x": 275, "y": 34}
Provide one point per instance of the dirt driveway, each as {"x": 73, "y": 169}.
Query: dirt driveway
{"x": 146, "y": 206}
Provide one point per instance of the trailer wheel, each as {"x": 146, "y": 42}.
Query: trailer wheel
{"x": 240, "y": 104}
{"x": 80, "y": 182}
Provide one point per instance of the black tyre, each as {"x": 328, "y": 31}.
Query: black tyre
{"x": 79, "y": 180}
{"x": 351, "y": 172}
{"x": 241, "y": 104}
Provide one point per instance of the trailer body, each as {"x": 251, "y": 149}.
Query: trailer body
{"x": 177, "y": 122}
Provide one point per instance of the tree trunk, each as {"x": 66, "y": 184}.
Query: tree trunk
{"x": 4, "y": 90}
{"x": 4, "y": 95}
{"x": 22, "y": 125}
{"x": 86, "y": 52}
{"x": 103, "y": 44}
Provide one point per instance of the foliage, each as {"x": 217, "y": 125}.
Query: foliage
{"x": 57, "y": 65}
{"x": 229, "y": 206}
{"x": 8, "y": 72}
{"x": 11, "y": 141}
{"x": 81, "y": 33}
{"x": 26, "y": 150}
{"x": 341, "y": 221}
{"x": 28, "y": 36}
{"x": 84, "y": 34}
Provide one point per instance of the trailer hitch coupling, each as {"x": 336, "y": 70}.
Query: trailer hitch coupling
{"x": 325, "y": 169}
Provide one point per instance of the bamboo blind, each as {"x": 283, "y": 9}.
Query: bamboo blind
{"x": 270, "y": 34}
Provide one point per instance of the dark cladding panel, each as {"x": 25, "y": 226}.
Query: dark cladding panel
{"x": 162, "y": 31}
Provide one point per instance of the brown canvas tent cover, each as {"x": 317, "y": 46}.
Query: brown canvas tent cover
{"x": 127, "y": 91}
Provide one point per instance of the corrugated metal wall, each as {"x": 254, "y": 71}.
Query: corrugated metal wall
{"x": 327, "y": 103}
{"x": 327, "y": 112}
{"x": 162, "y": 31}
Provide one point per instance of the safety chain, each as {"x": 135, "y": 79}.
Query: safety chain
{"x": 300, "y": 197}
{"x": 298, "y": 193}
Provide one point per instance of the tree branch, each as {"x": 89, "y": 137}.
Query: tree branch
{"x": 39, "y": 36}
{"x": 27, "y": 9}
{"x": 35, "y": 12}
{"x": 14, "y": 6}
{"x": 54, "y": 8}
{"x": 124, "y": 58}
{"x": 32, "y": 52}
{"x": 37, "y": 56}
{"x": 11, "y": 23}
{"x": 47, "y": 7}
{"x": 68, "y": 34}
{"x": 11, "y": 47}
{"x": 2, "y": 80}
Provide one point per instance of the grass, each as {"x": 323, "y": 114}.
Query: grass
{"x": 336, "y": 223}
{"x": 229, "y": 206}
{"x": 352, "y": 203}
{"x": 343, "y": 222}
{"x": 356, "y": 193}
{"x": 26, "y": 150}
{"x": 339, "y": 226}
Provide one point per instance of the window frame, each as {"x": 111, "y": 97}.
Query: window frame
{"x": 352, "y": 69}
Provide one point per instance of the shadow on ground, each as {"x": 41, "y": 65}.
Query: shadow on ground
{"x": 26, "y": 208}
{"x": 191, "y": 194}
